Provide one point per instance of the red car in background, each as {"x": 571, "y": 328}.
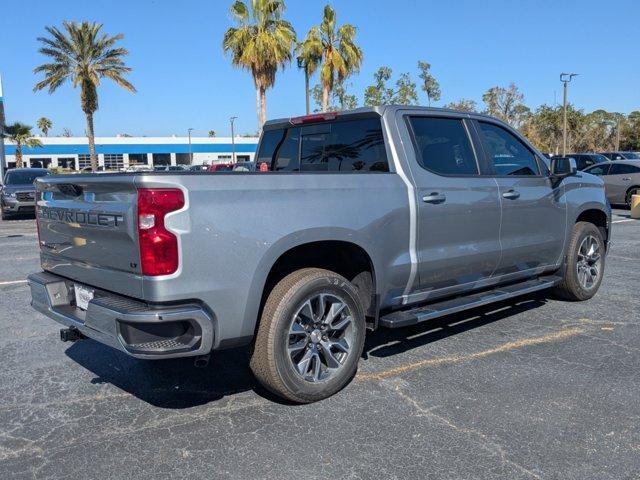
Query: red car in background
{"x": 221, "y": 167}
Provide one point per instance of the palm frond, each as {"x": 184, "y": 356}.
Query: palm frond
{"x": 239, "y": 12}
{"x": 33, "y": 143}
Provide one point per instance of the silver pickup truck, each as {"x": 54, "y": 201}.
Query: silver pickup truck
{"x": 379, "y": 217}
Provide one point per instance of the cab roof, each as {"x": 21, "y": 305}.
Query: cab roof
{"x": 364, "y": 111}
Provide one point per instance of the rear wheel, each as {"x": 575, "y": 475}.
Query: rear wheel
{"x": 585, "y": 263}
{"x": 310, "y": 337}
{"x": 632, "y": 191}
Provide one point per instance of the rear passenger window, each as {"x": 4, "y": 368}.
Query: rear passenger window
{"x": 599, "y": 170}
{"x": 346, "y": 146}
{"x": 509, "y": 155}
{"x": 443, "y": 146}
{"x": 623, "y": 169}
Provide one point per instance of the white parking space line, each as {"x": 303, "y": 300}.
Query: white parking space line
{"x": 626, "y": 220}
{"x": 13, "y": 282}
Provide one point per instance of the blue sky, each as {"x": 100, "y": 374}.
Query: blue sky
{"x": 184, "y": 79}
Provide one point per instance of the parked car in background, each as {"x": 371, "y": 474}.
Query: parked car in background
{"x": 585, "y": 160}
{"x": 244, "y": 167}
{"x": 198, "y": 168}
{"x": 386, "y": 216}
{"x": 621, "y": 179}
{"x": 621, "y": 155}
{"x": 89, "y": 170}
{"x": 139, "y": 168}
{"x": 169, "y": 168}
{"x": 221, "y": 167}
{"x": 17, "y": 193}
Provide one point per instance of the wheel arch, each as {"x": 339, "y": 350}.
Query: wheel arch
{"x": 338, "y": 250}
{"x": 597, "y": 217}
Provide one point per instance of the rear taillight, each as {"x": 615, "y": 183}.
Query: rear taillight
{"x": 158, "y": 246}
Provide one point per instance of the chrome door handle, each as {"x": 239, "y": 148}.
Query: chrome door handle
{"x": 434, "y": 198}
{"x": 626, "y": 179}
{"x": 511, "y": 195}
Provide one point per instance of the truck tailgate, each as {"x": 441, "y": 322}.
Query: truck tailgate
{"x": 88, "y": 230}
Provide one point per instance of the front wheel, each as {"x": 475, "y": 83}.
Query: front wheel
{"x": 310, "y": 337}
{"x": 585, "y": 263}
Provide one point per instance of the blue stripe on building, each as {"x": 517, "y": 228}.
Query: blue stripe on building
{"x": 133, "y": 148}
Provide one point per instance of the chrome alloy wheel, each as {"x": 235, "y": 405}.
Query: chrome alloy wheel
{"x": 589, "y": 265}
{"x": 320, "y": 337}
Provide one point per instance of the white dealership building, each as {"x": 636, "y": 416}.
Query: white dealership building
{"x": 115, "y": 153}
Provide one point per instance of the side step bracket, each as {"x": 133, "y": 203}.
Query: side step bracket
{"x": 422, "y": 313}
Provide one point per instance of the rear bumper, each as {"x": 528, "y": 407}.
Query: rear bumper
{"x": 136, "y": 328}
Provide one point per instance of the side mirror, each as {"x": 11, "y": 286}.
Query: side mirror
{"x": 563, "y": 167}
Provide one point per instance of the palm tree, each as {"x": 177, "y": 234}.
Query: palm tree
{"x": 44, "y": 124}
{"x": 21, "y": 135}
{"x": 261, "y": 43}
{"x": 84, "y": 56}
{"x": 333, "y": 51}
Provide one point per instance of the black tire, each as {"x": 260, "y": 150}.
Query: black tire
{"x": 5, "y": 216}
{"x": 632, "y": 191}
{"x": 275, "y": 366}
{"x": 571, "y": 287}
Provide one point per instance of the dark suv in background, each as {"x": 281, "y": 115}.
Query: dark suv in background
{"x": 585, "y": 160}
{"x": 621, "y": 155}
{"x": 17, "y": 193}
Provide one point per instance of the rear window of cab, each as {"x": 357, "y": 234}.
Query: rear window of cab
{"x": 341, "y": 146}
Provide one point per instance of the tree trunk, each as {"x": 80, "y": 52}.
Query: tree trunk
{"x": 92, "y": 142}
{"x": 263, "y": 107}
{"x": 18, "y": 155}
{"x": 325, "y": 98}
{"x": 258, "y": 107}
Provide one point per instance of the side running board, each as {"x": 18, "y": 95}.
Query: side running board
{"x": 403, "y": 318}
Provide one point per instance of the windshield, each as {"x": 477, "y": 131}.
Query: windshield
{"x": 23, "y": 178}
{"x": 631, "y": 156}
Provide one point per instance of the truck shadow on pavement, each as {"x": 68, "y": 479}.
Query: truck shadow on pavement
{"x": 388, "y": 342}
{"x": 177, "y": 384}
{"x": 174, "y": 383}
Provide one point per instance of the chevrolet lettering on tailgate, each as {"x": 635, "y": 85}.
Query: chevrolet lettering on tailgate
{"x": 96, "y": 219}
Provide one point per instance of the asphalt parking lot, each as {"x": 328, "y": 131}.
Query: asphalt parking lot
{"x": 534, "y": 389}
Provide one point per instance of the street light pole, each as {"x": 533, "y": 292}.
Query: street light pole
{"x": 2, "y": 157}
{"x": 233, "y": 141}
{"x": 565, "y": 78}
{"x": 189, "y": 130}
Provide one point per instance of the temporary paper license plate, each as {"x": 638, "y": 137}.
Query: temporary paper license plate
{"x": 83, "y": 296}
